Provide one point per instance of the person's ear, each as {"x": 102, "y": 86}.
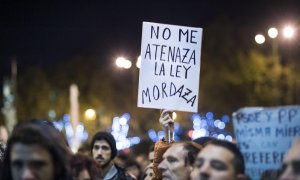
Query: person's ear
{"x": 241, "y": 177}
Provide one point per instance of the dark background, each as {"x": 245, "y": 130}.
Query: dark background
{"x": 43, "y": 32}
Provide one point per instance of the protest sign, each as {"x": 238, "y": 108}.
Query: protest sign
{"x": 264, "y": 135}
{"x": 170, "y": 67}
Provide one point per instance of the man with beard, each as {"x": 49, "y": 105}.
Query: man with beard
{"x": 104, "y": 151}
{"x": 219, "y": 160}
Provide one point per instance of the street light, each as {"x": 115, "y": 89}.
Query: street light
{"x": 288, "y": 32}
{"x": 90, "y": 114}
{"x": 273, "y": 32}
{"x": 260, "y": 39}
{"x": 123, "y": 63}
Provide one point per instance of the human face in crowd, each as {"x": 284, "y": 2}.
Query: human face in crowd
{"x": 173, "y": 165}
{"x": 83, "y": 175}
{"x": 213, "y": 163}
{"x": 101, "y": 152}
{"x": 31, "y": 162}
{"x": 291, "y": 164}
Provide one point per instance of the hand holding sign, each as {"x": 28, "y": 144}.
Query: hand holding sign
{"x": 167, "y": 121}
{"x": 166, "y": 117}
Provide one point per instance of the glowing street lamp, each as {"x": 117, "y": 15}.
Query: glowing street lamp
{"x": 288, "y": 32}
{"x": 126, "y": 64}
{"x": 90, "y": 114}
{"x": 273, "y": 32}
{"x": 123, "y": 63}
{"x": 260, "y": 39}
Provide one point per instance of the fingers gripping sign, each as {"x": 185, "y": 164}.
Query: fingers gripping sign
{"x": 168, "y": 124}
{"x": 166, "y": 117}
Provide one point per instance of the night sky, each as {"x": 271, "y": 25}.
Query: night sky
{"x": 40, "y": 33}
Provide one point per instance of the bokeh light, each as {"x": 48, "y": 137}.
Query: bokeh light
{"x": 288, "y": 32}
{"x": 273, "y": 32}
{"x": 123, "y": 63}
{"x": 260, "y": 39}
{"x": 90, "y": 114}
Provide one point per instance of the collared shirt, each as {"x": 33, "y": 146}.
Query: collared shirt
{"x": 111, "y": 173}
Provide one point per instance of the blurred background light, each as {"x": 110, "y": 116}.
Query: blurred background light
{"x": 216, "y": 123}
{"x": 161, "y": 134}
{"x": 225, "y": 118}
{"x": 174, "y": 115}
{"x": 52, "y": 114}
{"x": 126, "y": 116}
{"x": 260, "y": 39}
{"x": 273, "y": 32}
{"x": 209, "y": 115}
{"x": 123, "y": 121}
{"x": 288, "y": 32}
{"x": 90, "y": 114}
{"x": 123, "y": 63}
{"x": 228, "y": 138}
{"x": 152, "y": 135}
{"x": 221, "y": 125}
{"x": 221, "y": 136}
{"x": 195, "y": 116}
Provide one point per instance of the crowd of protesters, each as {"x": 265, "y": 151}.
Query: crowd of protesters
{"x": 37, "y": 150}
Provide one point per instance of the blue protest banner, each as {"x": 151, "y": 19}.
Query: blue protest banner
{"x": 264, "y": 135}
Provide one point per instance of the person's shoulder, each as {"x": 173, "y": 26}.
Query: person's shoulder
{"x": 122, "y": 175}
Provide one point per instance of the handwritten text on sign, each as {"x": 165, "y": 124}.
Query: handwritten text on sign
{"x": 170, "y": 67}
{"x": 264, "y": 135}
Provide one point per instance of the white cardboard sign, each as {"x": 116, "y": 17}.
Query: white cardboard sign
{"x": 170, "y": 67}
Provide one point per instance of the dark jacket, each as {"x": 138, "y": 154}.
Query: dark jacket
{"x": 120, "y": 174}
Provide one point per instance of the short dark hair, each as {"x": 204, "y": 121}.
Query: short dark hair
{"x": 238, "y": 159}
{"x": 192, "y": 149}
{"x": 203, "y": 140}
{"x": 108, "y": 137}
{"x": 43, "y": 133}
